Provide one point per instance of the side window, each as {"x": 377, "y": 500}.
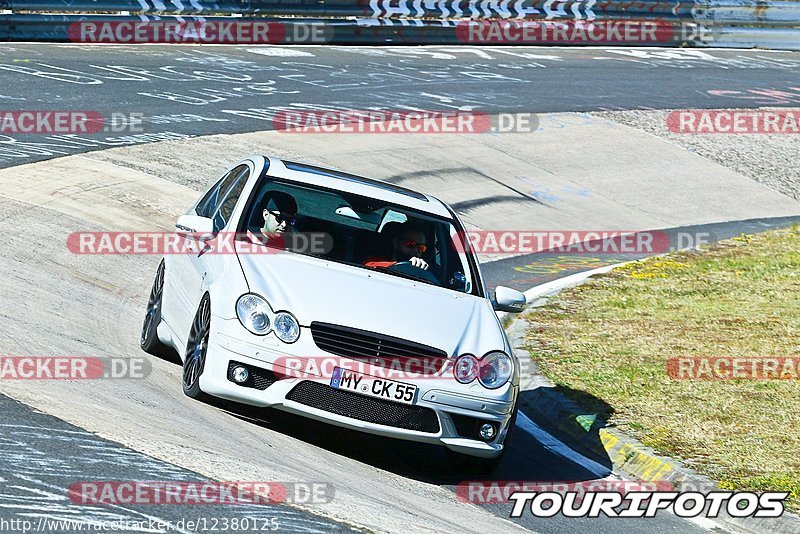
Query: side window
{"x": 209, "y": 204}
{"x": 223, "y": 214}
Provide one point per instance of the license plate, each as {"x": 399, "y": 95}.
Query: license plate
{"x": 373, "y": 387}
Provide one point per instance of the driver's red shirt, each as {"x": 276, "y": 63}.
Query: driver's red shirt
{"x": 377, "y": 262}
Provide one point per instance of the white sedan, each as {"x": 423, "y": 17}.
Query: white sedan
{"x": 339, "y": 298}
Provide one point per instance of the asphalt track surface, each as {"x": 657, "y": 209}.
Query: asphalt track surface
{"x": 192, "y": 91}
{"x": 41, "y": 457}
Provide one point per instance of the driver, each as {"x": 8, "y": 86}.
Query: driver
{"x": 279, "y": 212}
{"x": 408, "y": 244}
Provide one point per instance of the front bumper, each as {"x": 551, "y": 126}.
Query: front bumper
{"x": 443, "y": 412}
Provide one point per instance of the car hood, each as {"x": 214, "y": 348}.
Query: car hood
{"x": 317, "y": 290}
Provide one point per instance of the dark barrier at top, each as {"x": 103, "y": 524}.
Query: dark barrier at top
{"x": 415, "y": 9}
{"x": 736, "y": 12}
{"x": 736, "y": 23}
{"x": 167, "y": 7}
{"x": 110, "y": 29}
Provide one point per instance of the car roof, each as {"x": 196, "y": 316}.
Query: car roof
{"x": 350, "y": 183}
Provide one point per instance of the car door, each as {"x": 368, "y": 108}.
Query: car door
{"x": 189, "y": 269}
{"x": 202, "y": 264}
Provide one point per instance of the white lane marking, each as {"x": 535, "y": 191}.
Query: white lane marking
{"x": 130, "y": 511}
{"x": 560, "y": 448}
{"x": 557, "y": 446}
{"x": 279, "y": 52}
{"x": 527, "y": 55}
{"x": 47, "y": 430}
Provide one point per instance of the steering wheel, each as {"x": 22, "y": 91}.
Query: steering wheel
{"x": 405, "y": 267}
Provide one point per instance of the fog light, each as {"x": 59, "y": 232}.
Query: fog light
{"x": 487, "y": 432}
{"x": 241, "y": 374}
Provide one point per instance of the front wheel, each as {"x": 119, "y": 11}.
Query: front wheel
{"x": 149, "y": 341}
{"x": 196, "y": 348}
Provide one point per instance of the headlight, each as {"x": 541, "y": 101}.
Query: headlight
{"x": 495, "y": 370}
{"x": 286, "y": 327}
{"x": 253, "y": 312}
{"x": 466, "y": 368}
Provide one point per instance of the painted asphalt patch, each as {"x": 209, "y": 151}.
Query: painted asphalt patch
{"x": 41, "y": 457}
{"x": 186, "y": 91}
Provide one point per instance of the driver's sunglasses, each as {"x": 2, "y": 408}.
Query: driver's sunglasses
{"x": 410, "y": 243}
{"x": 281, "y": 218}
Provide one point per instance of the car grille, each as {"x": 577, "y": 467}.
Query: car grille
{"x": 258, "y": 379}
{"x": 378, "y": 349}
{"x": 355, "y": 406}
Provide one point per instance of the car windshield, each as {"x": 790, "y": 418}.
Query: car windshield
{"x": 366, "y": 233}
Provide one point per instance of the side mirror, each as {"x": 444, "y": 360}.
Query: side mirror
{"x": 195, "y": 226}
{"x": 508, "y": 300}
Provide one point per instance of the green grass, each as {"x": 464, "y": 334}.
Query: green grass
{"x": 611, "y": 338}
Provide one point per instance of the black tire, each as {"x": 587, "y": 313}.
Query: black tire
{"x": 194, "y": 360}
{"x": 483, "y": 466}
{"x": 148, "y": 340}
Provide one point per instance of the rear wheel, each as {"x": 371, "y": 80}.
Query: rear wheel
{"x": 149, "y": 341}
{"x": 196, "y": 349}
